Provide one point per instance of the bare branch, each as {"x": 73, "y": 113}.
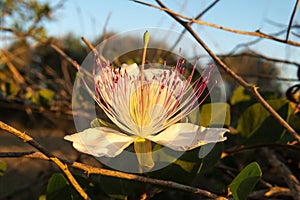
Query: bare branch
{"x": 238, "y": 149}
{"x": 63, "y": 54}
{"x": 256, "y": 33}
{"x": 272, "y": 192}
{"x": 197, "y": 17}
{"x": 291, "y": 20}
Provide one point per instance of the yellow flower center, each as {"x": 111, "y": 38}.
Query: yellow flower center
{"x": 150, "y": 104}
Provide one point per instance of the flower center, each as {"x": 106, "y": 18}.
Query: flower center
{"x": 150, "y": 106}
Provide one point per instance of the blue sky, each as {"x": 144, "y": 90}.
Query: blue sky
{"x": 87, "y": 18}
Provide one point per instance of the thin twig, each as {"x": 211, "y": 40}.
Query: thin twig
{"x": 291, "y": 20}
{"x": 238, "y": 149}
{"x": 256, "y": 33}
{"x": 251, "y": 88}
{"x": 90, "y": 46}
{"x": 16, "y": 74}
{"x": 63, "y": 54}
{"x": 251, "y": 53}
{"x": 27, "y": 139}
{"x": 197, "y": 17}
{"x": 95, "y": 51}
{"x": 106, "y": 172}
{"x": 272, "y": 192}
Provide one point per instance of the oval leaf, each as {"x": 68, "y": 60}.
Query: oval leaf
{"x": 256, "y": 121}
{"x": 240, "y": 95}
{"x": 243, "y": 184}
{"x": 58, "y": 188}
{"x": 2, "y": 168}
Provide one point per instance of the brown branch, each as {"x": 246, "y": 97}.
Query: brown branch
{"x": 91, "y": 47}
{"x": 291, "y": 20}
{"x": 251, "y": 88}
{"x": 272, "y": 192}
{"x": 263, "y": 76}
{"x": 63, "y": 54}
{"x": 284, "y": 172}
{"x": 255, "y": 54}
{"x": 238, "y": 149}
{"x": 27, "y": 139}
{"x": 106, "y": 172}
{"x": 256, "y": 33}
{"x": 16, "y": 74}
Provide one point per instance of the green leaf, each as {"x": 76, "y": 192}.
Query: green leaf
{"x": 243, "y": 184}
{"x": 294, "y": 118}
{"x": 240, "y": 95}
{"x": 294, "y": 121}
{"x": 210, "y": 154}
{"x": 257, "y": 123}
{"x": 9, "y": 89}
{"x": 58, "y": 188}
{"x": 2, "y": 168}
{"x": 43, "y": 97}
{"x": 220, "y": 112}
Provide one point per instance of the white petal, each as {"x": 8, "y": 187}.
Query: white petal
{"x": 187, "y": 136}
{"x": 132, "y": 69}
{"x": 100, "y": 141}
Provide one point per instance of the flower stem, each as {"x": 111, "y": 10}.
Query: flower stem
{"x": 143, "y": 150}
{"x": 146, "y": 41}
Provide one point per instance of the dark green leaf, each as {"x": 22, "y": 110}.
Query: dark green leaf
{"x": 245, "y": 181}
{"x": 257, "y": 123}
{"x": 116, "y": 188}
{"x": 2, "y": 168}
{"x": 58, "y": 188}
{"x": 294, "y": 119}
{"x": 210, "y": 155}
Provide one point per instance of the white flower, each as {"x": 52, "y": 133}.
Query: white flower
{"x": 146, "y": 108}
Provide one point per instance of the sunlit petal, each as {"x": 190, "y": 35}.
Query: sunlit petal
{"x": 187, "y": 136}
{"x": 132, "y": 69}
{"x": 100, "y": 141}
